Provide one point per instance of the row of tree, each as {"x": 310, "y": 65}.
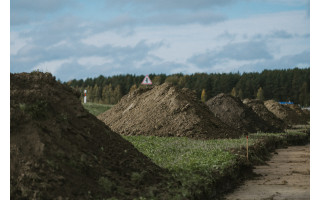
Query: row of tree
{"x": 280, "y": 85}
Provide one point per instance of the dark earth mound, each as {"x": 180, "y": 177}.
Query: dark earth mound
{"x": 285, "y": 113}
{"x": 305, "y": 116}
{"x": 260, "y": 109}
{"x": 60, "y": 151}
{"x": 307, "y": 113}
{"x": 165, "y": 110}
{"x": 232, "y": 111}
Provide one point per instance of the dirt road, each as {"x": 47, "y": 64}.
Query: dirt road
{"x": 286, "y": 176}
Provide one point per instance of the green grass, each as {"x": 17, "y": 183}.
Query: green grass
{"x": 177, "y": 153}
{"x": 197, "y": 164}
{"x": 95, "y": 108}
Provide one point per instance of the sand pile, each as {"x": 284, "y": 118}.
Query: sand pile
{"x": 232, "y": 111}
{"x": 60, "y": 151}
{"x": 165, "y": 110}
{"x": 260, "y": 109}
{"x": 285, "y": 113}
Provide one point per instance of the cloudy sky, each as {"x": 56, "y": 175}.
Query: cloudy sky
{"x": 80, "y": 39}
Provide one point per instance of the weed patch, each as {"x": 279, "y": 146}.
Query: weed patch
{"x": 95, "y": 108}
{"x": 37, "y": 110}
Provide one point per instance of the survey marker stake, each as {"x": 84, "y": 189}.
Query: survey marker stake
{"x": 85, "y": 96}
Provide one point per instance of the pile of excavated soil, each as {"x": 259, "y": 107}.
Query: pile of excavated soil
{"x": 302, "y": 114}
{"x": 285, "y": 113}
{"x": 60, "y": 151}
{"x": 307, "y": 113}
{"x": 232, "y": 111}
{"x": 260, "y": 109}
{"x": 165, "y": 110}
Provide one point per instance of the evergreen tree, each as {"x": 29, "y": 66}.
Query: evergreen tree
{"x": 117, "y": 94}
{"x": 304, "y": 97}
{"x": 280, "y": 85}
{"x": 156, "y": 81}
{"x": 95, "y": 94}
{"x": 173, "y": 79}
{"x": 240, "y": 95}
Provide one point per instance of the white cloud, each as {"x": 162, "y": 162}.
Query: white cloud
{"x": 93, "y": 61}
{"x": 159, "y": 48}
{"x": 289, "y": 2}
{"x": 182, "y": 42}
{"x": 17, "y": 42}
{"x": 188, "y": 69}
{"x": 58, "y": 44}
{"x": 110, "y": 38}
{"x": 51, "y": 66}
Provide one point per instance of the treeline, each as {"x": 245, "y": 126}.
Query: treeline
{"x": 280, "y": 85}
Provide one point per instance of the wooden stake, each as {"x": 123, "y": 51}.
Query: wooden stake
{"x": 247, "y": 149}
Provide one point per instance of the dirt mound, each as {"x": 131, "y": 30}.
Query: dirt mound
{"x": 232, "y": 111}
{"x": 260, "y": 109}
{"x": 307, "y": 113}
{"x": 305, "y": 116}
{"x": 283, "y": 112}
{"x": 165, "y": 110}
{"x": 60, "y": 151}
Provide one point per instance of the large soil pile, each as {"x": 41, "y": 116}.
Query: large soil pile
{"x": 307, "y": 113}
{"x": 60, "y": 151}
{"x": 165, "y": 110}
{"x": 285, "y": 113}
{"x": 260, "y": 109}
{"x": 232, "y": 111}
{"x": 305, "y": 116}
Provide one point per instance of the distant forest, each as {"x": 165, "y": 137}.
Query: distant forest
{"x": 280, "y": 85}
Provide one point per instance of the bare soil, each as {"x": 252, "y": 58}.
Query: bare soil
{"x": 303, "y": 115}
{"x": 286, "y": 176}
{"x": 285, "y": 113}
{"x": 260, "y": 109}
{"x": 232, "y": 111}
{"x": 166, "y": 110}
{"x": 60, "y": 151}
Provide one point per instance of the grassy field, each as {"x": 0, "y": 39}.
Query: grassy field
{"x": 180, "y": 153}
{"x": 200, "y": 165}
{"x": 95, "y": 108}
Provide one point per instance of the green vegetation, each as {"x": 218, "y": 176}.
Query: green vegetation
{"x": 260, "y": 94}
{"x": 106, "y": 184}
{"x": 37, "y": 110}
{"x": 95, "y": 108}
{"x": 280, "y": 85}
{"x": 177, "y": 153}
{"x": 200, "y": 165}
{"x": 203, "y": 96}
